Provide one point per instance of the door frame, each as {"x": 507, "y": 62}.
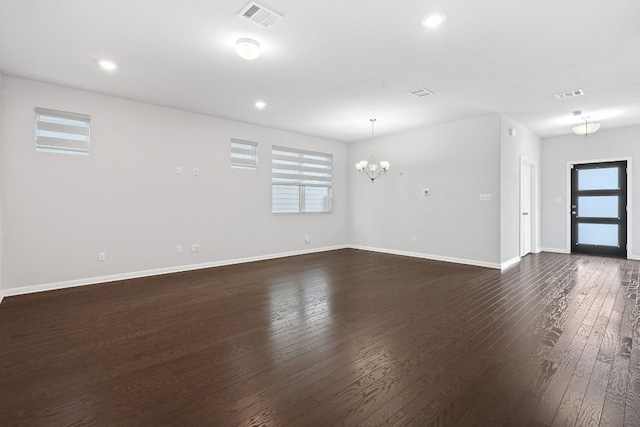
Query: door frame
{"x": 533, "y": 209}
{"x": 629, "y": 201}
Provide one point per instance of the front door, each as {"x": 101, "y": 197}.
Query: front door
{"x": 599, "y": 208}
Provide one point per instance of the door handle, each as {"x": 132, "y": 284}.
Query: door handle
{"x": 525, "y": 213}
{"x": 573, "y": 212}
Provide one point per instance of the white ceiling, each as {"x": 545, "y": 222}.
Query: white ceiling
{"x": 330, "y": 65}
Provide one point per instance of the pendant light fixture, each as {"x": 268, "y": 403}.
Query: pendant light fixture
{"x": 371, "y": 169}
{"x": 585, "y": 128}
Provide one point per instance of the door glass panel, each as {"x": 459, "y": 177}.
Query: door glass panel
{"x": 598, "y": 179}
{"x": 598, "y": 207}
{"x": 598, "y": 234}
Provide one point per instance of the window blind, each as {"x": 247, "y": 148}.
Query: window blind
{"x": 301, "y": 180}
{"x": 300, "y": 167}
{"x": 244, "y": 154}
{"x": 62, "y": 132}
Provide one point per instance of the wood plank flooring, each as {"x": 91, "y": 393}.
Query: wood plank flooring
{"x": 342, "y": 338}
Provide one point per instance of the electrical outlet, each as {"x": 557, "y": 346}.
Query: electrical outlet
{"x": 195, "y": 247}
{"x": 196, "y": 172}
{"x": 178, "y": 170}
{"x": 486, "y": 197}
{"x": 102, "y": 257}
{"x": 415, "y": 239}
{"x": 306, "y": 238}
{"x": 178, "y": 249}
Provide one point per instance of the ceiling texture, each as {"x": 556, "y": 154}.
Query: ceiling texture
{"x": 329, "y": 66}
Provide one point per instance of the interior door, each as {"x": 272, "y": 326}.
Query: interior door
{"x": 599, "y": 208}
{"x": 525, "y": 209}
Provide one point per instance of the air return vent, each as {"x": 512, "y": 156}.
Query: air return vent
{"x": 569, "y": 94}
{"x": 421, "y": 92}
{"x": 259, "y": 14}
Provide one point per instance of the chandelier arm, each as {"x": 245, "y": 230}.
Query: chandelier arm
{"x": 373, "y": 175}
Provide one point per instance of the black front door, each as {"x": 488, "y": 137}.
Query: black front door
{"x": 599, "y": 209}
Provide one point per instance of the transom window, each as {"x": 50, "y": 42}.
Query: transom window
{"x": 244, "y": 154}
{"x": 62, "y": 132}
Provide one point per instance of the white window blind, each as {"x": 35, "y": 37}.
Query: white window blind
{"x": 244, "y": 154}
{"x": 62, "y": 132}
{"x": 301, "y": 180}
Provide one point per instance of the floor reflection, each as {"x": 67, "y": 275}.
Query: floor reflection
{"x": 302, "y": 309}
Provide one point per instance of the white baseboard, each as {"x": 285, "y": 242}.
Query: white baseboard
{"x": 146, "y": 273}
{"x": 555, "y": 250}
{"x": 429, "y": 256}
{"x": 509, "y": 263}
{"x": 564, "y": 251}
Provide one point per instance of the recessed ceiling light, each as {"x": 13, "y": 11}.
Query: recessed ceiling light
{"x": 260, "y": 104}
{"x": 248, "y": 49}
{"x": 108, "y": 65}
{"x": 433, "y": 21}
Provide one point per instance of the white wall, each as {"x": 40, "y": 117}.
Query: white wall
{"x": 525, "y": 144}
{"x": 60, "y": 211}
{"x": 1, "y": 238}
{"x": 457, "y": 161}
{"x": 125, "y": 199}
{"x": 557, "y": 151}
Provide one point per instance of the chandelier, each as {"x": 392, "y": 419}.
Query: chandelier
{"x": 371, "y": 169}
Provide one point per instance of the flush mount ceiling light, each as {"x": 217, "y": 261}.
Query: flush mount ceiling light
{"x": 107, "y": 65}
{"x": 433, "y": 21}
{"x": 369, "y": 168}
{"x": 260, "y": 104}
{"x": 248, "y": 49}
{"x": 586, "y": 128}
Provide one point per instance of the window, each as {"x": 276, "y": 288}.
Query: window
{"x": 244, "y": 154}
{"x": 62, "y": 132}
{"x": 302, "y": 180}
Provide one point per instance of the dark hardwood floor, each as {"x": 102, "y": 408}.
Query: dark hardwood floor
{"x": 346, "y": 337}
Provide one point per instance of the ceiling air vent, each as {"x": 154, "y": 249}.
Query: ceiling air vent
{"x": 420, "y": 92}
{"x": 259, "y": 14}
{"x": 569, "y": 94}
